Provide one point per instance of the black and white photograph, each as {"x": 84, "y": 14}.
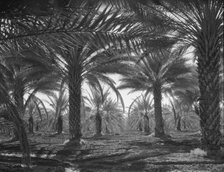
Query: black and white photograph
{"x": 111, "y": 86}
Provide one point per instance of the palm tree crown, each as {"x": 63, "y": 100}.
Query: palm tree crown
{"x": 158, "y": 72}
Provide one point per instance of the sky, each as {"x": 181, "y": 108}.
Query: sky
{"x": 127, "y": 95}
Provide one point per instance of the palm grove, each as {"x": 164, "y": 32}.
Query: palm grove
{"x": 47, "y": 46}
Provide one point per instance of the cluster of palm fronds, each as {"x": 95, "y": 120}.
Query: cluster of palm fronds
{"x": 111, "y": 119}
{"x": 72, "y": 42}
{"x": 140, "y": 114}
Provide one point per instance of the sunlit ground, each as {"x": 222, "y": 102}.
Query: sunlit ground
{"x": 130, "y": 151}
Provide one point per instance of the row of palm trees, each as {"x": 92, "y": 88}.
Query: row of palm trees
{"x": 86, "y": 41}
{"x": 98, "y": 112}
{"x": 156, "y": 73}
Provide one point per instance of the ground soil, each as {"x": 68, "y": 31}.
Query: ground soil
{"x": 128, "y": 152}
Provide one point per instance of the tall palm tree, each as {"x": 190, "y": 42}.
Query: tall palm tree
{"x": 85, "y": 65}
{"x": 24, "y": 21}
{"x": 199, "y": 23}
{"x": 139, "y": 113}
{"x": 158, "y": 72}
{"x": 9, "y": 110}
{"x": 81, "y": 52}
{"x": 26, "y": 73}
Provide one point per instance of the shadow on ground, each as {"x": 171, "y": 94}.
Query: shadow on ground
{"x": 129, "y": 152}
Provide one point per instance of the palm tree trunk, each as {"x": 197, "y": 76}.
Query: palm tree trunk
{"x": 208, "y": 52}
{"x": 18, "y": 98}
{"x": 139, "y": 127}
{"x": 20, "y": 130}
{"x": 159, "y": 130}
{"x": 146, "y": 124}
{"x": 209, "y": 110}
{"x": 59, "y": 124}
{"x": 74, "y": 79}
{"x": 98, "y": 123}
{"x": 31, "y": 125}
{"x": 37, "y": 126}
{"x": 179, "y": 124}
{"x": 24, "y": 146}
{"x": 174, "y": 113}
{"x": 107, "y": 130}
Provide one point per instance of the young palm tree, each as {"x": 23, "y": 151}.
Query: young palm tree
{"x": 158, "y": 72}
{"x": 106, "y": 111}
{"x": 59, "y": 104}
{"x": 113, "y": 119}
{"x": 184, "y": 106}
{"x": 139, "y": 113}
{"x": 184, "y": 99}
{"x": 35, "y": 110}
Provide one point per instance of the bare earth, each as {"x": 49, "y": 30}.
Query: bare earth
{"x": 129, "y": 152}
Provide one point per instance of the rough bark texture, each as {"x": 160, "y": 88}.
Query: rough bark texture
{"x": 159, "y": 129}
{"x": 75, "y": 102}
{"x": 209, "y": 54}
{"x": 18, "y": 98}
{"x": 209, "y": 110}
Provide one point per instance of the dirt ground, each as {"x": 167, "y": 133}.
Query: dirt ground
{"x": 128, "y": 152}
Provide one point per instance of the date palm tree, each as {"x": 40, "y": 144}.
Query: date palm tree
{"x": 86, "y": 65}
{"x": 22, "y": 21}
{"x": 158, "y": 72}
{"x": 106, "y": 112}
{"x": 113, "y": 119}
{"x": 139, "y": 113}
{"x": 184, "y": 99}
{"x": 9, "y": 110}
{"x": 199, "y": 24}
{"x": 184, "y": 105}
{"x": 26, "y": 74}
{"x": 59, "y": 104}
{"x": 35, "y": 110}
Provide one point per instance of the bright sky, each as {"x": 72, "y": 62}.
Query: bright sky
{"x": 128, "y": 97}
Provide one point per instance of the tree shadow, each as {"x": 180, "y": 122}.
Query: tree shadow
{"x": 169, "y": 145}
